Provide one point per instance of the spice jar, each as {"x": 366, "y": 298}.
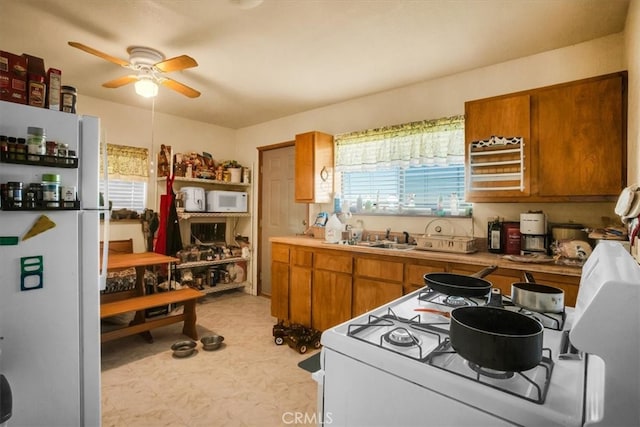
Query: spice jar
{"x": 37, "y": 90}
{"x": 36, "y": 142}
{"x": 69, "y": 97}
{"x": 14, "y": 194}
{"x": 35, "y": 188}
{"x": 51, "y": 148}
{"x": 51, "y": 190}
{"x": 63, "y": 150}
{"x": 71, "y": 157}
{"x": 21, "y": 149}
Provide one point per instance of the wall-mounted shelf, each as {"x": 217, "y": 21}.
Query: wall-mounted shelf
{"x": 206, "y": 181}
{"x": 497, "y": 164}
{"x": 189, "y": 215}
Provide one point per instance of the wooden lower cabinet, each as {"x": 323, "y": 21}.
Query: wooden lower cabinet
{"x": 322, "y": 288}
{"x": 415, "y": 271}
{"x": 377, "y": 281}
{"x": 279, "y": 290}
{"x": 369, "y": 294}
{"x": 300, "y": 282}
{"x": 280, "y": 280}
{"x": 300, "y": 295}
{"x": 331, "y": 294}
{"x": 502, "y": 278}
{"x": 330, "y": 299}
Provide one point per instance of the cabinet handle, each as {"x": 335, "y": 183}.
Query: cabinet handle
{"x": 324, "y": 174}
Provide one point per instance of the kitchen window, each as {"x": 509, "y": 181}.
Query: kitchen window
{"x": 409, "y": 169}
{"x": 128, "y": 172}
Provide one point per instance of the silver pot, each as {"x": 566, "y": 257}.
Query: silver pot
{"x": 536, "y": 297}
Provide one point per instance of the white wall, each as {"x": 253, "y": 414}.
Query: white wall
{"x": 445, "y": 97}
{"x": 431, "y": 99}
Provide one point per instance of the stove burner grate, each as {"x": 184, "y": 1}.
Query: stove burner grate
{"x": 435, "y": 297}
{"x": 401, "y": 337}
{"x": 531, "y": 385}
{"x": 491, "y": 373}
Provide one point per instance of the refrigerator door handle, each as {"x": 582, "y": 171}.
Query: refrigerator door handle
{"x": 107, "y": 218}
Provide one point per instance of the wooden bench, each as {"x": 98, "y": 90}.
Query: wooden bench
{"x": 187, "y": 296}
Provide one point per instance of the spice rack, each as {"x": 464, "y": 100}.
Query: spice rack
{"x": 11, "y": 156}
{"x": 497, "y": 164}
{"x": 64, "y": 206}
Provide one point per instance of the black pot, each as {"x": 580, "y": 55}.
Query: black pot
{"x": 459, "y": 284}
{"x": 496, "y": 338}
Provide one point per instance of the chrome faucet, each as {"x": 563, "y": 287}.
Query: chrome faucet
{"x": 406, "y": 237}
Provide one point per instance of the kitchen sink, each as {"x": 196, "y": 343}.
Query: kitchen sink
{"x": 380, "y": 244}
{"x": 388, "y": 245}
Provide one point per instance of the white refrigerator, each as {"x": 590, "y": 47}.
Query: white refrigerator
{"x": 49, "y": 306}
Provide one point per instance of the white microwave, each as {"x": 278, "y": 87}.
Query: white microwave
{"x": 226, "y": 201}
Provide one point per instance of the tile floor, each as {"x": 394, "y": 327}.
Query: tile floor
{"x": 249, "y": 381}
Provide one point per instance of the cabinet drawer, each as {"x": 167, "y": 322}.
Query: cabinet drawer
{"x": 280, "y": 252}
{"x": 377, "y": 268}
{"x": 334, "y": 262}
{"x": 414, "y": 273}
{"x": 301, "y": 257}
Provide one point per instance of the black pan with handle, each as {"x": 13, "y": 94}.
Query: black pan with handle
{"x": 460, "y": 284}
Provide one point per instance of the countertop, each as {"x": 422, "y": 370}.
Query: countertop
{"x": 482, "y": 259}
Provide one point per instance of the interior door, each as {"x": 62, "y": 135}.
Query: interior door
{"x": 280, "y": 215}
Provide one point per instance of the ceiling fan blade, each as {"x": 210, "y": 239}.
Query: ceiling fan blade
{"x": 176, "y": 64}
{"x": 179, "y": 87}
{"x": 120, "y": 81}
{"x": 102, "y": 55}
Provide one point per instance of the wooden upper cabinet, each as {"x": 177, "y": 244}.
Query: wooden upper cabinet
{"x": 581, "y": 134}
{"x": 498, "y": 171}
{"x": 314, "y": 167}
{"x": 574, "y": 140}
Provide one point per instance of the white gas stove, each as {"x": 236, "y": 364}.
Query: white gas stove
{"x": 395, "y": 366}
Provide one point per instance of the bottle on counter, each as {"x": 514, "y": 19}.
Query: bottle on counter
{"x": 454, "y": 204}
{"x": 494, "y": 236}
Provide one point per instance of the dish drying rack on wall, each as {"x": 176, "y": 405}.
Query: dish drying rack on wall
{"x": 496, "y": 164}
{"x": 436, "y": 239}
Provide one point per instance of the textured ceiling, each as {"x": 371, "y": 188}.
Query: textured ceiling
{"x": 289, "y": 56}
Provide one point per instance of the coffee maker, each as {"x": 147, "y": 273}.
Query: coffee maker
{"x": 533, "y": 230}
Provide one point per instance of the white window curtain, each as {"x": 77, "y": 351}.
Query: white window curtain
{"x": 424, "y": 143}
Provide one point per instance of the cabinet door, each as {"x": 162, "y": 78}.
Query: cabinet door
{"x": 569, "y": 284}
{"x": 506, "y": 116}
{"x": 502, "y": 278}
{"x": 331, "y": 299}
{"x": 314, "y": 167}
{"x": 379, "y": 268}
{"x": 369, "y": 294}
{"x": 414, "y": 273}
{"x": 582, "y": 139}
{"x": 280, "y": 290}
{"x": 300, "y": 296}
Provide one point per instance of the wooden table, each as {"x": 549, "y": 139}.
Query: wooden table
{"x": 136, "y": 300}
{"x": 138, "y": 260}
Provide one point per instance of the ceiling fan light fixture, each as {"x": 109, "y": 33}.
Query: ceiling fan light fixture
{"x": 146, "y": 87}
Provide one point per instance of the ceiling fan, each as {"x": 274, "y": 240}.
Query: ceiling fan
{"x": 149, "y": 66}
